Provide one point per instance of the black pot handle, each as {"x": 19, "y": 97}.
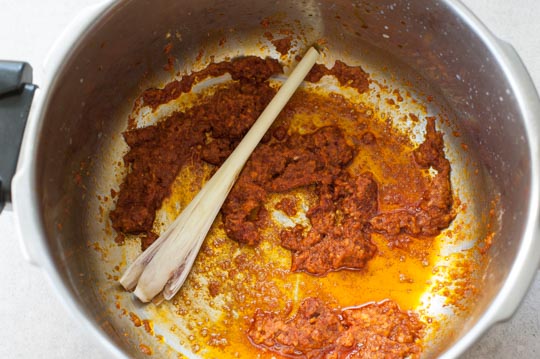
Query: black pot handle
{"x": 16, "y": 93}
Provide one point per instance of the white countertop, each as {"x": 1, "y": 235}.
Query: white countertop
{"x": 33, "y": 322}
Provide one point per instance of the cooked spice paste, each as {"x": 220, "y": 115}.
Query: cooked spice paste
{"x": 336, "y": 238}
{"x": 378, "y": 330}
{"x": 358, "y": 183}
{"x": 157, "y": 153}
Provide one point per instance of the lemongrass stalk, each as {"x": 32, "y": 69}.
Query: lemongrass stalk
{"x": 167, "y": 266}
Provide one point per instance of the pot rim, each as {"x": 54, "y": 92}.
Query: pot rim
{"x": 527, "y": 260}
{"x": 27, "y": 216}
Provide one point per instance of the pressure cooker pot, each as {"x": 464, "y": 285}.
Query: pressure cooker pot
{"x": 426, "y": 61}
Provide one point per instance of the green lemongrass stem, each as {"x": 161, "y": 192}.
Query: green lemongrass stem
{"x": 167, "y": 267}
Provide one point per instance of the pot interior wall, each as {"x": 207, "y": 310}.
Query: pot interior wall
{"x": 422, "y": 42}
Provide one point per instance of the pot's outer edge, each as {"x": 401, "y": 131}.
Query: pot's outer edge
{"x": 528, "y": 259}
{"x": 30, "y": 229}
{"x": 25, "y": 202}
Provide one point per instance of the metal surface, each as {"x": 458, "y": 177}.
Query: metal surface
{"x": 16, "y": 93}
{"x": 13, "y": 75}
{"x": 84, "y": 102}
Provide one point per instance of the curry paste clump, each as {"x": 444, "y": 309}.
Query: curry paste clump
{"x": 379, "y": 330}
{"x": 157, "y": 153}
{"x": 336, "y": 238}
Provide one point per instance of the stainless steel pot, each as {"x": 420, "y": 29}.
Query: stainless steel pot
{"x": 97, "y": 67}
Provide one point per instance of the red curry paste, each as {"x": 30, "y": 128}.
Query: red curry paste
{"x": 348, "y": 210}
{"x": 378, "y": 330}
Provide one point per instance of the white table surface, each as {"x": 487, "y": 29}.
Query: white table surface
{"x": 33, "y": 322}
